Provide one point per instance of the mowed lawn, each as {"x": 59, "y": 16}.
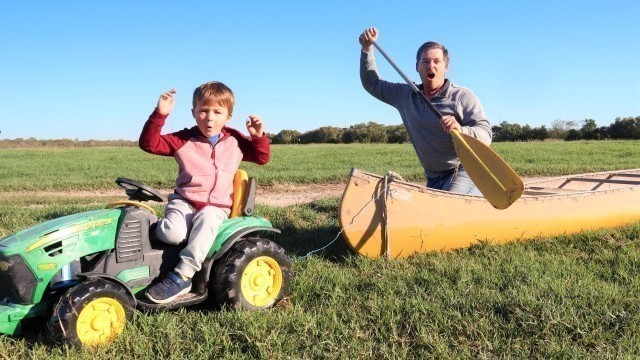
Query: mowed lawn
{"x": 562, "y": 297}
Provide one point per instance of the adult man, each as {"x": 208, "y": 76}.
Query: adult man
{"x": 429, "y": 133}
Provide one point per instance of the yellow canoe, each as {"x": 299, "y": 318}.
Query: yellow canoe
{"x": 381, "y": 216}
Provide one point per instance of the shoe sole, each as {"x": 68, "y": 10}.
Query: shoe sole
{"x": 168, "y": 300}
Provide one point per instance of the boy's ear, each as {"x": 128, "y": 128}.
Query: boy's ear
{"x": 229, "y": 118}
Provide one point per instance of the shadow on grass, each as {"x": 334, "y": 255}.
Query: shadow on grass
{"x": 309, "y": 230}
{"x": 322, "y": 242}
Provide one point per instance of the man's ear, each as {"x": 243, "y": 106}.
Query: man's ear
{"x": 193, "y": 113}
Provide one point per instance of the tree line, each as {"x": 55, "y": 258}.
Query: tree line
{"x": 627, "y": 128}
{"x": 62, "y": 143}
{"x": 371, "y": 132}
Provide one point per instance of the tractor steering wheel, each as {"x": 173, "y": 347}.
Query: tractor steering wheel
{"x": 138, "y": 191}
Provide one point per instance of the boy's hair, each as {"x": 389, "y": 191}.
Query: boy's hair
{"x": 214, "y": 92}
{"x": 433, "y": 45}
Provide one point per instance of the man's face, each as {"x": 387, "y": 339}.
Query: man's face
{"x": 432, "y": 68}
{"x": 211, "y": 118}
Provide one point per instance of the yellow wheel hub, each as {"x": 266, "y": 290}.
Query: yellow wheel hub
{"x": 101, "y": 321}
{"x": 261, "y": 281}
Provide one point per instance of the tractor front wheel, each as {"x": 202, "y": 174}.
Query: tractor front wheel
{"x": 91, "y": 313}
{"x": 254, "y": 274}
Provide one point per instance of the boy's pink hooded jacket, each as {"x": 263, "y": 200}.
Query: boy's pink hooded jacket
{"x": 205, "y": 172}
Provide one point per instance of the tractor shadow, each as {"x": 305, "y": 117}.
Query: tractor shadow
{"x": 310, "y": 229}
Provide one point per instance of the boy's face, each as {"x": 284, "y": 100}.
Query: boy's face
{"x": 211, "y": 118}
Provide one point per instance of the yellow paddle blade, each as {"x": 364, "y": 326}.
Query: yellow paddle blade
{"x": 495, "y": 179}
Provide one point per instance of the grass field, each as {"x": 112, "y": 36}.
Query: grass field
{"x": 96, "y": 168}
{"x": 563, "y": 297}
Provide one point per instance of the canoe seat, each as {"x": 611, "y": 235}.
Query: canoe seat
{"x": 538, "y": 190}
{"x": 605, "y": 181}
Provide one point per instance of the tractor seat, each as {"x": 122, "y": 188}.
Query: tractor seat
{"x": 244, "y": 195}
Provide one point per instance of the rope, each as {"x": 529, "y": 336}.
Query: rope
{"x": 390, "y": 175}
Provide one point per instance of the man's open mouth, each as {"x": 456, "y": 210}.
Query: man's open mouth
{"x": 431, "y": 75}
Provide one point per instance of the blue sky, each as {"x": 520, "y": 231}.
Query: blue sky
{"x": 94, "y": 70}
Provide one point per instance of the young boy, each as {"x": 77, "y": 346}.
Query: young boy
{"x": 208, "y": 156}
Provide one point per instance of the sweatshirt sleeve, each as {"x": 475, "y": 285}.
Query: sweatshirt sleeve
{"x": 474, "y": 119}
{"x": 152, "y": 142}
{"x": 256, "y": 150}
{"x": 388, "y": 92}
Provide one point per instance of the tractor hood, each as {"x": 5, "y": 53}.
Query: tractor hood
{"x": 37, "y": 236}
{"x": 30, "y": 258}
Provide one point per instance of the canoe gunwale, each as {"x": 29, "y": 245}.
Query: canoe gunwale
{"x": 531, "y": 190}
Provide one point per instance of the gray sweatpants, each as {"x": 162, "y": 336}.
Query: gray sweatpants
{"x": 181, "y": 219}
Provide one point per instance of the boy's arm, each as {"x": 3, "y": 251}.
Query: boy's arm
{"x": 150, "y": 139}
{"x": 152, "y": 142}
{"x": 257, "y": 150}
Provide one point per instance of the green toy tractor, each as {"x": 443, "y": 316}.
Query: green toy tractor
{"x": 87, "y": 272}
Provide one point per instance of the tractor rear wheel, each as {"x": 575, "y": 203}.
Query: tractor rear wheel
{"x": 91, "y": 313}
{"x": 254, "y": 274}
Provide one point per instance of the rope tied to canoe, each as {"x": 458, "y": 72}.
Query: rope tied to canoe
{"x": 388, "y": 179}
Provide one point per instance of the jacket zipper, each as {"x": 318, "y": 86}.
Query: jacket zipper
{"x": 215, "y": 167}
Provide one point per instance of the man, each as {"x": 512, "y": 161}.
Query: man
{"x": 429, "y": 133}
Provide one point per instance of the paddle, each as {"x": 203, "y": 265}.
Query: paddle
{"x": 495, "y": 179}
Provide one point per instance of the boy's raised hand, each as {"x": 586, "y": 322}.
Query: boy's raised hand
{"x": 254, "y": 126}
{"x": 166, "y": 102}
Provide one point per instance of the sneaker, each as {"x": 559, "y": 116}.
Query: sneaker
{"x": 172, "y": 286}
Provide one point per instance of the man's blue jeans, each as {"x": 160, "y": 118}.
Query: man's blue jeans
{"x": 459, "y": 182}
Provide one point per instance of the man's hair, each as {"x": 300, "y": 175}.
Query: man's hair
{"x": 214, "y": 92}
{"x": 433, "y": 45}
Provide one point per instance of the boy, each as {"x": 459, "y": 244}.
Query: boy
{"x": 208, "y": 156}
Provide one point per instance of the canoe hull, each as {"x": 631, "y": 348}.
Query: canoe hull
{"x": 408, "y": 219}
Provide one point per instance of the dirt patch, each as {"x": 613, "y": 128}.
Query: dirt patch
{"x": 273, "y": 195}
{"x": 293, "y": 194}
{"x": 276, "y": 195}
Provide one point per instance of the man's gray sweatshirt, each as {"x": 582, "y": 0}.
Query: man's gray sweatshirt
{"x": 434, "y": 147}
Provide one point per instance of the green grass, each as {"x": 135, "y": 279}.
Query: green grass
{"x": 562, "y": 158}
{"x": 97, "y": 168}
{"x": 561, "y": 297}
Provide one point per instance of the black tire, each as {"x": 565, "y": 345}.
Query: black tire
{"x": 261, "y": 266}
{"x": 91, "y": 313}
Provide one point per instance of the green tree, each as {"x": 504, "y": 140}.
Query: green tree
{"x": 560, "y": 128}
{"x": 323, "y": 135}
{"x": 397, "y": 134}
{"x": 589, "y": 130}
{"x": 370, "y": 132}
{"x": 287, "y": 137}
{"x": 625, "y": 128}
{"x": 506, "y": 132}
